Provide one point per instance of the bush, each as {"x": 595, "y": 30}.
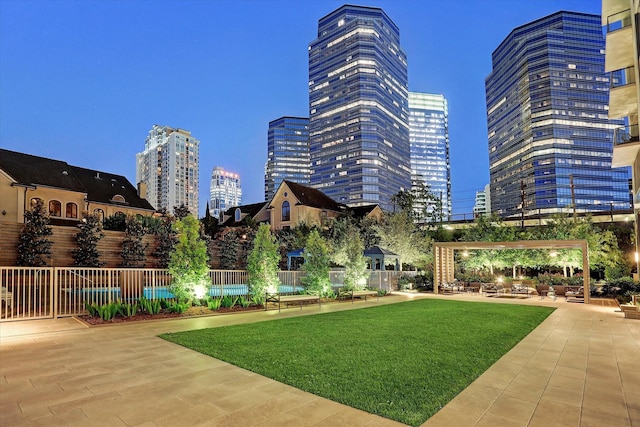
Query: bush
{"x": 405, "y": 282}
{"x": 214, "y": 303}
{"x": 228, "y": 301}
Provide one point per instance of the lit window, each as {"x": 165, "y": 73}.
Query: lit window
{"x": 72, "y": 210}
{"x": 99, "y": 213}
{"x": 286, "y": 211}
{"x": 238, "y": 215}
{"x": 34, "y": 202}
{"x": 55, "y": 208}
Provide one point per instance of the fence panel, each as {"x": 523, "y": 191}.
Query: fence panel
{"x": 26, "y": 293}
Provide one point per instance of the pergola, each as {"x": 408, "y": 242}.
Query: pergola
{"x": 444, "y": 262}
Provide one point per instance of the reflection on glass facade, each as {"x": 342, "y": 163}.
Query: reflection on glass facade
{"x": 550, "y": 138}
{"x": 358, "y": 90}
{"x": 287, "y": 153}
{"x": 224, "y": 191}
{"x": 429, "y": 140}
{"x": 169, "y": 166}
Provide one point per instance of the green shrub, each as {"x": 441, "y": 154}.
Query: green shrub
{"x": 214, "y": 303}
{"x": 229, "y": 301}
{"x": 128, "y": 310}
{"x": 108, "y": 311}
{"x": 92, "y": 309}
{"x": 178, "y": 307}
{"x": 244, "y": 302}
{"x": 151, "y": 306}
{"x": 258, "y": 300}
{"x": 382, "y": 292}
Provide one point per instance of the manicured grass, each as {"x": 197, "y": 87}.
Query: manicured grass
{"x": 402, "y": 361}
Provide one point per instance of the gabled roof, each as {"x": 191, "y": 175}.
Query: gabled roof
{"x": 26, "y": 169}
{"x": 248, "y": 210}
{"x": 98, "y": 186}
{"x": 362, "y": 211}
{"x": 377, "y": 250}
{"x": 308, "y": 196}
{"x": 102, "y": 187}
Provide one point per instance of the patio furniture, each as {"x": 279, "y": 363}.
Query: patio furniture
{"x": 631, "y": 311}
{"x": 520, "y": 290}
{"x": 351, "y": 294}
{"x": 290, "y": 299}
{"x": 6, "y": 297}
{"x": 489, "y": 289}
{"x": 576, "y": 294}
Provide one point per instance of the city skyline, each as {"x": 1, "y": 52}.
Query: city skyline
{"x": 77, "y": 89}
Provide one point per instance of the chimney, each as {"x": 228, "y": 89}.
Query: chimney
{"x": 142, "y": 190}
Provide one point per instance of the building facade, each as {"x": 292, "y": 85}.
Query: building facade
{"x": 482, "y": 204}
{"x": 550, "y": 135}
{"x": 169, "y": 167}
{"x": 358, "y": 108}
{"x": 225, "y": 191}
{"x": 429, "y": 142}
{"x": 621, "y": 21}
{"x": 287, "y": 153}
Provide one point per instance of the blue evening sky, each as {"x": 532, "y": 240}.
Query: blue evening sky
{"x": 84, "y": 81}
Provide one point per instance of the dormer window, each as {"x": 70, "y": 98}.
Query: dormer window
{"x": 118, "y": 199}
{"x": 238, "y": 214}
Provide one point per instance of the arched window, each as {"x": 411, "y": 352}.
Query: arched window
{"x": 99, "y": 213}
{"x": 118, "y": 198}
{"x": 286, "y": 211}
{"x": 119, "y": 213}
{"x": 34, "y": 202}
{"x": 238, "y": 215}
{"x": 55, "y": 208}
{"x": 72, "y": 210}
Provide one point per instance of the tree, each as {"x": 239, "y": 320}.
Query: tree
{"x": 355, "y": 273}
{"x": 166, "y": 240}
{"x": 316, "y": 265}
{"x": 209, "y": 223}
{"x": 132, "y": 247}
{"x": 262, "y": 265}
{"x": 33, "y": 246}
{"x": 87, "y": 255}
{"x": 181, "y": 211}
{"x": 189, "y": 266}
{"x": 229, "y": 247}
{"x": 399, "y": 234}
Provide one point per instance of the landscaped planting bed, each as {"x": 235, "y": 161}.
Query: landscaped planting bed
{"x": 402, "y": 361}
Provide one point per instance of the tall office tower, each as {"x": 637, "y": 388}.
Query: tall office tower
{"x": 550, "y": 138}
{"x": 287, "y": 153}
{"x": 169, "y": 167}
{"x": 482, "y": 205}
{"x": 358, "y": 108}
{"x": 224, "y": 191}
{"x": 621, "y": 20}
{"x": 429, "y": 141}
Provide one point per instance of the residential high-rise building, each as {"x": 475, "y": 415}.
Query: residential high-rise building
{"x": 482, "y": 205}
{"x": 224, "y": 191}
{"x": 429, "y": 141}
{"x": 169, "y": 167}
{"x": 550, "y": 137}
{"x": 287, "y": 153}
{"x": 621, "y": 20}
{"x": 358, "y": 108}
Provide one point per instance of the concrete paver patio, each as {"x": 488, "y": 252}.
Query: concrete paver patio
{"x": 580, "y": 367}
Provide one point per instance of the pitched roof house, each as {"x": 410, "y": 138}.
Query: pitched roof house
{"x": 66, "y": 190}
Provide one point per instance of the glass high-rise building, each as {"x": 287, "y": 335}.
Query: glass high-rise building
{"x": 429, "y": 141}
{"x": 225, "y": 191}
{"x": 169, "y": 166}
{"x": 287, "y": 153}
{"x": 550, "y": 137}
{"x": 358, "y": 108}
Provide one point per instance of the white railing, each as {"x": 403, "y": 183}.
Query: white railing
{"x": 48, "y": 292}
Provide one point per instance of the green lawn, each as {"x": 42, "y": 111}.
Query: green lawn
{"x": 402, "y": 361}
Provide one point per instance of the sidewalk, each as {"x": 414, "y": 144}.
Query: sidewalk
{"x": 578, "y": 368}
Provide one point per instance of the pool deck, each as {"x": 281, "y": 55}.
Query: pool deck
{"x": 580, "y": 367}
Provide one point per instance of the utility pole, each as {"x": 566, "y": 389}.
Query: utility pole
{"x": 573, "y": 196}
{"x": 522, "y": 197}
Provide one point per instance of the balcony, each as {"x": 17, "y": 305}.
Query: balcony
{"x": 620, "y": 37}
{"x": 623, "y": 101}
{"x": 626, "y": 146}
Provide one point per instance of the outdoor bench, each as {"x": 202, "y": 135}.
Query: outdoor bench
{"x": 359, "y": 294}
{"x": 290, "y": 299}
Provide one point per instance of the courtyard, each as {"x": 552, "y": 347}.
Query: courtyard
{"x": 578, "y": 368}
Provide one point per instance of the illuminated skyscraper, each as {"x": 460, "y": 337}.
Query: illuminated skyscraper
{"x": 224, "y": 191}
{"x": 550, "y": 137}
{"x": 287, "y": 153}
{"x": 429, "y": 140}
{"x": 358, "y": 108}
{"x": 169, "y": 167}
